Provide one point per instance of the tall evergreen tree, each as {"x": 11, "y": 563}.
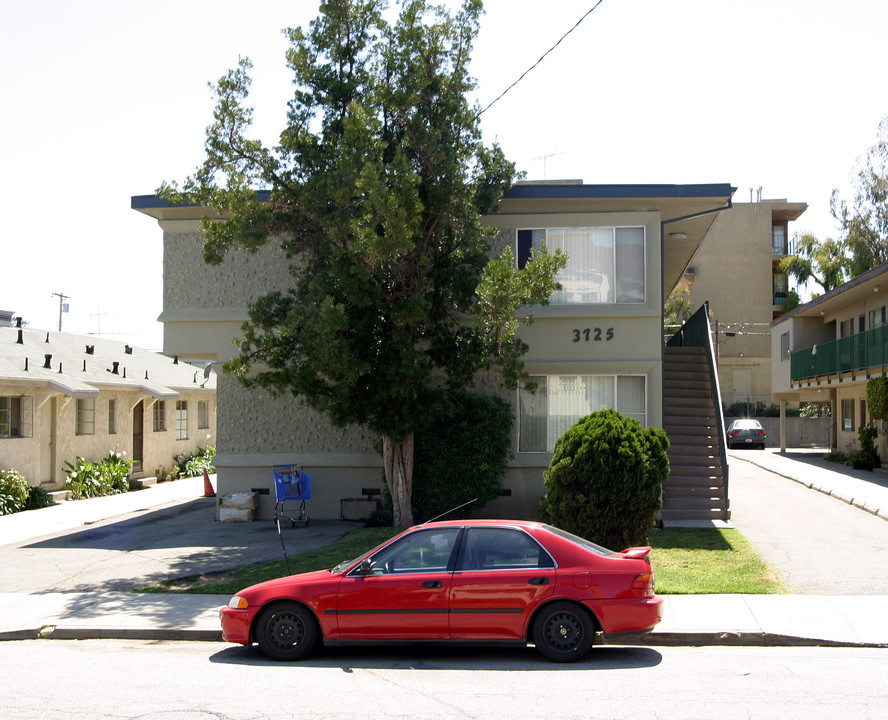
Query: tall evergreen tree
{"x": 377, "y": 191}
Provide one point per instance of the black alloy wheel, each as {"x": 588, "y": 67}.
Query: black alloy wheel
{"x": 563, "y": 632}
{"x": 286, "y": 631}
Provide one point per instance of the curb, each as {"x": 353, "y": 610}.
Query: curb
{"x": 661, "y": 639}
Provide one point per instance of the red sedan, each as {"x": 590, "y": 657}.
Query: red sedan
{"x": 463, "y": 580}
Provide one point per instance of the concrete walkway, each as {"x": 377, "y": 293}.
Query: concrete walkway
{"x": 689, "y": 620}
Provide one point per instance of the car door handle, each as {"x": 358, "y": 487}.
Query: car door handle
{"x": 432, "y": 584}
{"x": 539, "y": 581}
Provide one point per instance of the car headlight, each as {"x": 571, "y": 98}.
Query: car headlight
{"x": 238, "y": 603}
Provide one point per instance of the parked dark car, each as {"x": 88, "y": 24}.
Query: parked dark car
{"x": 746, "y": 433}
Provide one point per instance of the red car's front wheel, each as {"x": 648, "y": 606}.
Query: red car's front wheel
{"x": 286, "y": 631}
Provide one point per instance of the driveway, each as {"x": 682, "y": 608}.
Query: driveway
{"x": 819, "y": 544}
{"x": 177, "y": 539}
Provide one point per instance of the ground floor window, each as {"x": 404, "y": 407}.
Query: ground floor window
{"x": 86, "y": 416}
{"x": 159, "y": 416}
{"x": 112, "y": 416}
{"x": 181, "y": 420}
{"x": 16, "y": 416}
{"x": 561, "y": 400}
{"x": 203, "y": 414}
{"x": 848, "y": 414}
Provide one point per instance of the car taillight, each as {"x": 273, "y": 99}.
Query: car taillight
{"x": 735, "y": 432}
{"x": 761, "y": 432}
{"x": 644, "y": 581}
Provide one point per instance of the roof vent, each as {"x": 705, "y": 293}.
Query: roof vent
{"x": 90, "y": 349}
{"x": 115, "y": 368}
{"x": 128, "y": 349}
{"x": 47, "y": 361}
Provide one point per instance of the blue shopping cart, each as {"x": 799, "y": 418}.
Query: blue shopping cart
{"x": 291, "y": 484}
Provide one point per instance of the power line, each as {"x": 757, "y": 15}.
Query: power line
{"x": 543, "y": 57}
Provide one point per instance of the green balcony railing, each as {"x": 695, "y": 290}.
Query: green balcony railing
{"x": 865, "y": 351}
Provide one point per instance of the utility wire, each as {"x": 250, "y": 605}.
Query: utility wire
{"x": 543, "y": 57}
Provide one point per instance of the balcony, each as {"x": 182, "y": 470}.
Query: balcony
{"x": 866, "y": 352}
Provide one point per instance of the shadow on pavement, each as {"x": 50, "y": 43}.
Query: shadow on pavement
{"x": 447, "y": 657}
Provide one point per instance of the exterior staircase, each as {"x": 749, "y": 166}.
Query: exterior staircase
{"x": 697, "y": 488}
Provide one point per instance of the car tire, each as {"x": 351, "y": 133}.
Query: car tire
{"x": 563, "y": 632}
{"x": 287, "y": 631}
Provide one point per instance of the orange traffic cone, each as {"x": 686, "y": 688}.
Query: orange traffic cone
{"x": 208, "y": 486}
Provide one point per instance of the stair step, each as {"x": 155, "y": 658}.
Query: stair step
{"x": 678, "y": 515}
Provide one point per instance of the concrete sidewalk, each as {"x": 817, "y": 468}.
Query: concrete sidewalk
{"x": 689, "y": 620}
{"x": 694, "y": 620}
{"x": 863, "y": 489}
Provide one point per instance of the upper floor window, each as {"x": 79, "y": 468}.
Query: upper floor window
{"x": 605, "y": 264}
{"x": 784, "y": 346}
{"x": 778, "y": 240}
{"x": 16, "y": 416}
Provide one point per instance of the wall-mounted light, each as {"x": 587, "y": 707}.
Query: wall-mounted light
{"x": 678, "y": 236}
{"x": 876, "y": 288}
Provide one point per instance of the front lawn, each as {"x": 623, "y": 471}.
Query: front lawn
{"x": 686, "y": 562}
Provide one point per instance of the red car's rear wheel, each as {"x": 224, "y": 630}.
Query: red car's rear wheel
{"x": 563, "y": 632}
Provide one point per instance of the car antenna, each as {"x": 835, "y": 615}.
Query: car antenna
{"x": 438, "y": 517}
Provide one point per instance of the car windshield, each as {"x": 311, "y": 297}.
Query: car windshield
{"x": 577, "y": 540}
{"x": 345, "y": 564}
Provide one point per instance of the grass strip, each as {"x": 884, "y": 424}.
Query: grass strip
{"x": 686, "y": 562}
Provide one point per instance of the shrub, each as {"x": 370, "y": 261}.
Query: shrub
{"x": 109, "y": 476}
{"x": 193, "y": 464}
{"x": 877, "y": 397}
{"x": 13, "y": 491}
{"x": 462, "y": 452}
{"x": 37, "y": 498}
{"x": 605, "y": 481}
{"x": 867, "y": 457}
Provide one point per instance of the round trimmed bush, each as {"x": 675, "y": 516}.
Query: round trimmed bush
{"x": 605, "y": 481}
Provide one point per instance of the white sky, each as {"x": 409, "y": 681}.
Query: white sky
{"x": 104, "y": 99}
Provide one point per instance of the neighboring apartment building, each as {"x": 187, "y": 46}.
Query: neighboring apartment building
{"x": 64, "y": 396}
{"x": 737, "y": 270}
{"x": 828, "y": 349}
{"x": 598, "y": 344}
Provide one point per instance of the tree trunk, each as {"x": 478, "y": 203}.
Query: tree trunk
{"x": 398, "y": 461}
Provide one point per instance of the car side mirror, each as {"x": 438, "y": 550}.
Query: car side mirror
{"x": 366, "y": 566}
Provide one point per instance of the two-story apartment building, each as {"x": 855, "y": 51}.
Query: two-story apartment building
{"x": 597, "y": 345}
{"x": 828, "y": 349}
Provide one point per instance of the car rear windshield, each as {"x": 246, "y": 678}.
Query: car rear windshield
{"x": 582, "y": 542}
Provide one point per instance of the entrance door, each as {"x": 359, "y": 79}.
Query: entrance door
{"x": 138, "y": 425}
{"x": 47, "y": 442}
